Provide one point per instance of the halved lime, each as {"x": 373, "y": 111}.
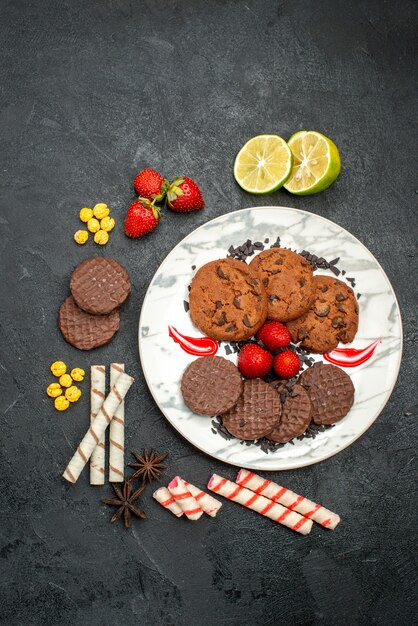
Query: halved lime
{"x": 263, "y": 164}
{"x": 316, "y": 163}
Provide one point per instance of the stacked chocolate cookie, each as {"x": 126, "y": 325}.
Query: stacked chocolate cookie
{"x": 89, "y": 317}
{"x": 252, "y": 409}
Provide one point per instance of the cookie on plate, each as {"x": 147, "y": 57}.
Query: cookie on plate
{"x": 296, "y": 414}
{"x": 83, "y": 330}
{"x": 256, "y": 413}
{"x": 288, "y": 280}
{"x": 330, "y": 391}
{"x": 227, "y": 300}
{"x": 100, "y": 285}
{"x": 211, "y": 385}
{"x": 332, "y": 318}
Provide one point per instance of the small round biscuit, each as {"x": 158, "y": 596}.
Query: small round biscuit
{"x": 296, "y": 414}
{"x": 330, "y": 390}
{"x": 287, "y": 278}
{"x": 256, "y": 413}
{"x": 227, "y": 300}
{"x": 211, "y": 385}
{"x": 100, "y": 285}
{"x": 333, "y": 317}
{"x": 85, "y": 331}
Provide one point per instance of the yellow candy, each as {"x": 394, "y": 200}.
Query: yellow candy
{"x": 61, "y": 403}
{"x": 81, "y": 236}
{"x": 86, "y": 214}
{"x": 66, "y": 380}
{"x": 101, "y": 210}
{"x": 101, "y": 237}
{"x": 107, "y": 224}
{"x": 78, "y": 374}
{"x": 58, "y": 368}
{"x": 93, "y": 225}
{"x": 72, "y": 393}
{"x": 54, "y": 390}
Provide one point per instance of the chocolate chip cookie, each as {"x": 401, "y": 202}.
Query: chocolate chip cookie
{"x": 296, "y": 414}
{"x": 227, "y": 300}
{"x": 330, "y": 391}
{"x": 288, "y": 280}
{"x": 211, "y": 385}
{"x": 332, "y": 318}
{"x": 256, "y": 413}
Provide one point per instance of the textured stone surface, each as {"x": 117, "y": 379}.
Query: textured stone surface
{"x": 90, "y": 93}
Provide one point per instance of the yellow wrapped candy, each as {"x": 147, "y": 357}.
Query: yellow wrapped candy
{"x": 61, "y": 403}
{"x": 81, "y": 236}
{"x": 93, "y": 225}
{"x": 66, "y": 380}
{"x": 58, "y": 368}
{"x": 86, "y": 214}
{"x": 107, "y": 224}
{"x": 101, "y": 237}
{"x": 73, "y": 393}
{"x": 78, "y": 374}
{"x": 101, "y": 210}
{"x": 54, "y": 390}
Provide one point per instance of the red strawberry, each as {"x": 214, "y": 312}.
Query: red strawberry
{"x": 150, "y": 184}
{"x": 254, "y": 361}
{"x": 184, "y": 195}
{"x": 142, "y": 217}
{"x": 286, "y": 364}
{"x": 274, "y": 335}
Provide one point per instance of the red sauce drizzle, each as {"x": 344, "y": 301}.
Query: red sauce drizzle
{"x": 351, "y": 357}
{"x": 198, "y": 346}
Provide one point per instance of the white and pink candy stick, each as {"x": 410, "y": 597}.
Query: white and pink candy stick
{"x": 184, "y": 498}
{"x": 164, "y": 497}
{"x": 209, "y": 505}
{"x": 291, "y": 500}
{"x": 260, "y": 504}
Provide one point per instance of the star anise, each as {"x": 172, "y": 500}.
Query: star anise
{"x": 124, "y": 502}
{"x": 149, "y": 466}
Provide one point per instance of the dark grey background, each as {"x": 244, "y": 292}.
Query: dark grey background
{"x": 91, "y": 92}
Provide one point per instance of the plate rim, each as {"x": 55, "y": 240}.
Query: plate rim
{"x": 306, "y": 463}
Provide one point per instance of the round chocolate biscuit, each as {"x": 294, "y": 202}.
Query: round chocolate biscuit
{"x": 227, "y": 300}
{"x": 330, "y": 391}
{"x": 83, "y": 330}
{"x": 288, "y": 280}
{"x": 100, "y": 285}
{"x": 211, "y": 385}
{"x": 256, "y": 413}
{"x": 296, "y": 414}
{"x": 332, "y": 317}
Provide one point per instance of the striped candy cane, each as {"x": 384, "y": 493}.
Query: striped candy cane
{"x": 209, "y": 505}
{"x": 291, "y": 500}
{"x": 260, "y": 504}
{"x": 164, "y": 497}
{"x": 185, "y": 499}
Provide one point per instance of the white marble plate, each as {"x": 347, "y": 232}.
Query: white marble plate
{"x": 163, "y": 361}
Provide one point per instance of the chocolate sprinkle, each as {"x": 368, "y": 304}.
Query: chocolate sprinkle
{"x": 186, "y": 305}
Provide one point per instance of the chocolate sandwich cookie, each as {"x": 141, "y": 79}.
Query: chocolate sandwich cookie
{"x": 332, "y": 318}
{"x": 256, "y": 413}
{"x": 227, "y": 300}
{"x": 287, "y": 278}
{"x": 211, "y": 385}
{"x": 100, "y": 285}
{"x": 83, "y": 330}
{"x": 296, "y": 414}
{"x": 330, "y": 391}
